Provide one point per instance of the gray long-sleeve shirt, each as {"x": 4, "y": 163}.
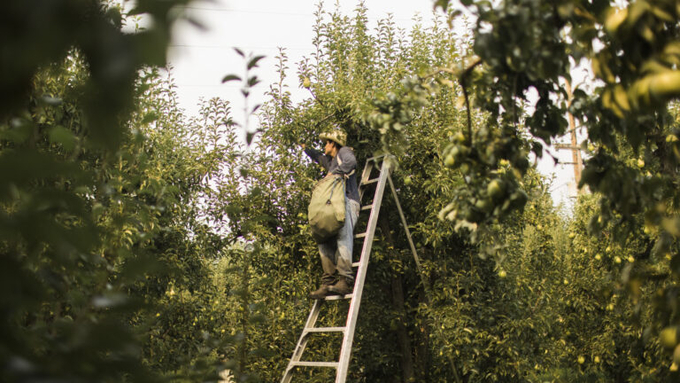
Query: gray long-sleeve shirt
{"x": 349, "y": 163}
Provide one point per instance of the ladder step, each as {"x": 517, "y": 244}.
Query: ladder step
{"x": 368, "y": 182}
{"x": 367, "y": 207}
{"x": 325, "y": 329}
{"x": 338, "y": 297}
{"x": 360, "y": 235}
{"x": 356, "y": 264}
{"x": 314, "y": 364}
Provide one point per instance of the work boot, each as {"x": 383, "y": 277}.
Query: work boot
{"x": 341, "y": 287}
{"x": 321, "y": 293}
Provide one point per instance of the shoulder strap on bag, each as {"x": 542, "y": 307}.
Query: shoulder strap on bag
{"x": 340, "y": 163}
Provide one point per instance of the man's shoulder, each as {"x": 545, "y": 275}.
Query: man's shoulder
{"x": 346, "y": 150}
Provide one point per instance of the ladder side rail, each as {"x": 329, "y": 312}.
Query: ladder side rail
{"x": 366, "y": 173}
{"x": 353, "y": 312}
{"x": 371, "y": 163}
{"x": 365, "y": 176}
{"x": 406, "y": 229}
{"x": 421, "y": 272}
{"x": 419, "y": 266}
{"x": 302, "y": 341}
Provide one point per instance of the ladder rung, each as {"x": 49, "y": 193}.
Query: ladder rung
{"x": 356, "y": 264}
{"x": 360, "y": 235}
{"x": 367, "y": 207}
{"x": 368, "y": 182}
{"x": 314, "y": 364}
{"x": 338, "y": 297}
{"x": 325, "y": 329}
{"x": 375, "y": 158}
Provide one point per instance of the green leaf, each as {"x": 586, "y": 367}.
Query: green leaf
{"x": 230, "y": 77}
{"x": 253, "y": 62}
{"x": 62, "y": 136}
{"x": 21, "y": 167}
{"x": 151, "y": 47}
{"x": 253, "y": 81}
{"x": 249, "y": 137}
{"x": 19, "y": 131}
{"x": 149, "y": 117}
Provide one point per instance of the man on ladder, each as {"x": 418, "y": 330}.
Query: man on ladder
{"x": 336, "y": 254}
{"x": 326, "y": 212}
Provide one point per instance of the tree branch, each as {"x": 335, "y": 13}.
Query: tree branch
{"x": 462, "y": 78}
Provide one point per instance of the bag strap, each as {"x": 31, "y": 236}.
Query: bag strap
{"x": 348, "y": 174}
{"x": 330, "y": 197}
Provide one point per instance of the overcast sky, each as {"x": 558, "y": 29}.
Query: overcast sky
{"x": 201, "y": 58}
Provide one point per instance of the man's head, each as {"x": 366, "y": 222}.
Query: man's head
{"x": 333, "y": 141}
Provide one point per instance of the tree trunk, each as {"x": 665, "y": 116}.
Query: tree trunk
{"x": 399, "y": 307}
{"x": 402, "y": 333}
{"x": 422, "y": 356}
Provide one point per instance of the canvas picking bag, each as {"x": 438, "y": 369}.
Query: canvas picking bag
{"x": 327, "y": 208}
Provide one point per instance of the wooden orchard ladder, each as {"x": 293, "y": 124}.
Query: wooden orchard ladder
{"x": 342, "y": 364}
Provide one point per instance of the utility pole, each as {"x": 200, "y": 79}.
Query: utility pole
{"x": 575, "y": 149}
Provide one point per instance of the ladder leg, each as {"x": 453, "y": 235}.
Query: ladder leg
{"x": 302, "y": 341}
{"x": 353, "y": 313}
{"x": 406, "y": 229}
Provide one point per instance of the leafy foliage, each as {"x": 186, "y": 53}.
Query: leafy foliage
{"x": 96, "y": 195}
{"x": 519, "y": 319}
{"x": 141, "y": 245}
{"x": 522, "y": 46}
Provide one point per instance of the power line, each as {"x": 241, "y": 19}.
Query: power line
{"x": 229, "y": 10}
{"x": 214, "y": 86}
{"x": 245, "y": 11}
{"x": 240, "y": 47}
